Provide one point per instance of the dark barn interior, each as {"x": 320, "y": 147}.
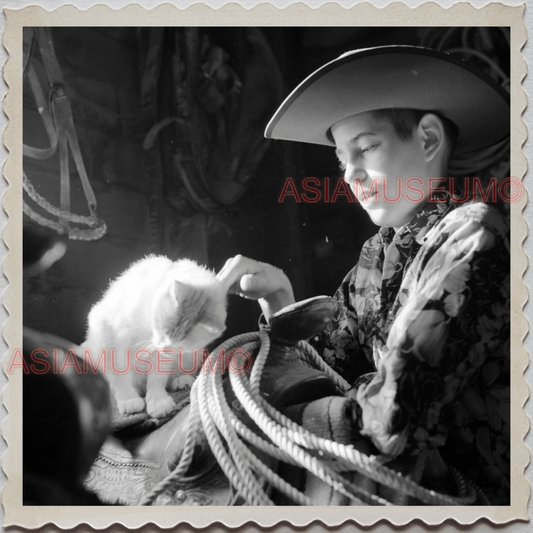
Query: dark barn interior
{"x": 122, "y": 88}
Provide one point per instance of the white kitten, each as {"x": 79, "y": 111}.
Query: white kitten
{"x": 156, "y": 304}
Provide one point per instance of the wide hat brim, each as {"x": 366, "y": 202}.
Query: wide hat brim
{"x": 395, "y": 77}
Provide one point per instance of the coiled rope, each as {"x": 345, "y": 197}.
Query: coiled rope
{"x": 235, "y": 446}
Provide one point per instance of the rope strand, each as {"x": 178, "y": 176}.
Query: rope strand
{"x": 287, "y": 441}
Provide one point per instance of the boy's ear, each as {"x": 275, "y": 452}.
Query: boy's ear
{"x": 431, "y": 133}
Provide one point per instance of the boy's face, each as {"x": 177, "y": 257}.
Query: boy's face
{"x": 389, "y": 176}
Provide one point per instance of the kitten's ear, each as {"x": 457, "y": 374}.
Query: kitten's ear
{"x": 213, "y": 328}
{"x": 181, "y": 290}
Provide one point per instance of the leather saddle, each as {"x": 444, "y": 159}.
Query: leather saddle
{"x": 142, "y": 451}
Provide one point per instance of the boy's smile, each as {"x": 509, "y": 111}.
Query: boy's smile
{"x": 389, "y": 176}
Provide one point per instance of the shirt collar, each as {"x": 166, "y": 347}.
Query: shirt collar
{"x": 435, "y": 208}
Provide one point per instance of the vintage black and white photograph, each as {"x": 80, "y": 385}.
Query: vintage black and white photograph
{"x": 266, "y": 265}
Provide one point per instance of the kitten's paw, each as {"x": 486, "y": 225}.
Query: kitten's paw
{"x": 133, "y": 405}
{"x": 158, "y": 407}
{"x": 183, "y": 382}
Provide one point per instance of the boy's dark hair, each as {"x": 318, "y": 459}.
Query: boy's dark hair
{"x": 404, "y": 121}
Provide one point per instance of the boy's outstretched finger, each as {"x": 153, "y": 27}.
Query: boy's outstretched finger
{"x": 250, "y": 278}
{"x": 233, "y": 270}
{"x": 255, "y": 286}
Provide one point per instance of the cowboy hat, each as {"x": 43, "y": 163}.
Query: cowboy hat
{"x": 395, "y": 77}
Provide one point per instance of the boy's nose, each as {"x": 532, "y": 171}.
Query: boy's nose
{"x": 353, "y": 173}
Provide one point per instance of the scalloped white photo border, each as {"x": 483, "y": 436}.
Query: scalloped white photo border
{"x": 395, "y": 14}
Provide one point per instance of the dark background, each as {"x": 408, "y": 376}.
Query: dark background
{"x": 315, "y": 243}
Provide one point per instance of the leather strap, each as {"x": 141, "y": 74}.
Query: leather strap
{"x": 42, "y": 106}
{"x": 61, "y": 132}
{"x": 151, "y": 45}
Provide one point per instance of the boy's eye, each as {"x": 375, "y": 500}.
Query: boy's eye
{"x": 368, "y": 148}
{"x": 363, "y": 150}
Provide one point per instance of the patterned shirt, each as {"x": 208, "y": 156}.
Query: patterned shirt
{"x": 423, "y": 332}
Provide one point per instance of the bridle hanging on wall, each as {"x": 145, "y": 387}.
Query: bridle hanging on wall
{"x": 56, "y": 115}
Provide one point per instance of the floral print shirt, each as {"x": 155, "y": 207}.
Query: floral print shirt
{"x": 423, "y": 332}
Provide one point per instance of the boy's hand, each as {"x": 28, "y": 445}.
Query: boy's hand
{"x": 257, "y": 281}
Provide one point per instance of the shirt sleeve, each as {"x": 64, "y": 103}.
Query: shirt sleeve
{"x": 452, "y": 321}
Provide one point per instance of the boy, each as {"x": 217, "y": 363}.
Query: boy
{"x": 427, "y": 305}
